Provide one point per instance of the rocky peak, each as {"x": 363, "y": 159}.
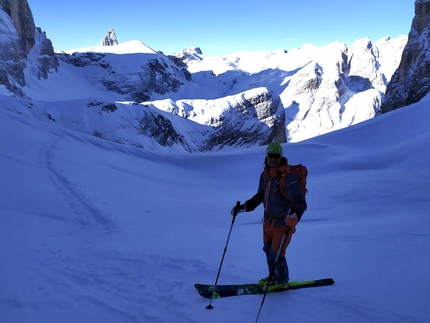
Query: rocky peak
{"x": 110, "y": 39}
{"x": 411, "y": 81}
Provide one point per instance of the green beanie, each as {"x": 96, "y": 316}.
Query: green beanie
{"x": 274, "y": 148}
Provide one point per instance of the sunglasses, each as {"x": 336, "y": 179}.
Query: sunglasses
{"x": 274, "y": 156}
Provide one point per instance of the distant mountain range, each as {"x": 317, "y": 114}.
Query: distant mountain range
{"x": 132, "y": 94}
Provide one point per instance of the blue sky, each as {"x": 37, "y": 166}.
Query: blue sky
{"x": 221, "y": 27}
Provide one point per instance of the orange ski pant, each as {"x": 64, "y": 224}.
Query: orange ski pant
{"x": 273, "y": 235}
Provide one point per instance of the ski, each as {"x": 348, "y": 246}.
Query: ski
{"x": 220, "y": 291}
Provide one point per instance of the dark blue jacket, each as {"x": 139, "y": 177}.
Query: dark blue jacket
{"x": 276, "y": 205}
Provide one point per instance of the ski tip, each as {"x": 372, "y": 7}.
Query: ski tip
{"x": 325, "y": 281}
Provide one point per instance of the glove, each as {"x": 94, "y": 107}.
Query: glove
{"x": 236, "y": 210}
{"x": 291, "y": 221}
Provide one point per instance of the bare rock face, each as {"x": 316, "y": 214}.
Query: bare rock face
{"x": 241, "y": 120}
{"x": 110, "y": 39}
{"x": 161, "y": 129}
{"x": 256, "y": 117}
{"x": 188, "y": 54}
{"x": 18, "y": 32}
{"x": 48, "y": 61}
{"x": 20, "y": 37}
{"x": 411, "y": 81}
{"x": 22, "y": 18}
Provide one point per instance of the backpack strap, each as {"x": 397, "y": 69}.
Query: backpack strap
{"x": 282, "y": 182}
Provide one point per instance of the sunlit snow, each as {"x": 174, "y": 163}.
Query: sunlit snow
{"x": 94, "y": 231}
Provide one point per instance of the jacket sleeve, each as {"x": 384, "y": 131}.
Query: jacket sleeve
{"x": 257, "y": 199}
{"x": 253, "y": 202}
{"x": 296, "y": 195}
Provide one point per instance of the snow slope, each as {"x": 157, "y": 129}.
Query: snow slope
{"x": 94, "y": 231}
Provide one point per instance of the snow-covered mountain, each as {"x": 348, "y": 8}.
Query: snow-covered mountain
{"x": 241, "y": 99}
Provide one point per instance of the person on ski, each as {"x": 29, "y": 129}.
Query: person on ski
{"x": 281, "y": 214}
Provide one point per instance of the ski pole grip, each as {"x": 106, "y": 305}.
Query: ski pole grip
{"x": 236, "y": 209}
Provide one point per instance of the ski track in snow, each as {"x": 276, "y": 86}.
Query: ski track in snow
{"x": 87, "y": 214}
{"x": 87, "y": 281}
{"x": 98, "y": 280}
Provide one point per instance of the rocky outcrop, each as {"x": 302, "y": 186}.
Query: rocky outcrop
{"x": 245, "y": 119}
{"x": 22, "y": 18}
{"x": 254, "y": 118}
{"x": 188, "y": 54}
{"x": 20, "y": 38}
{"x": 18, "y": 31}
{"x": 161, "y": 130}
{"x": 182, "y": 59}
{"x": 411, "y": 81}
{"x": 47, "y": 59}
{"x": 110, "y": 39}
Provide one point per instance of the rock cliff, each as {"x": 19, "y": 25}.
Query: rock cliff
{"x": 411, "y": 81}
{"x": 20, "y": 40}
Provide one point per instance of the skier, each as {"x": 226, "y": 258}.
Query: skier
{"x": 282, "y": 211}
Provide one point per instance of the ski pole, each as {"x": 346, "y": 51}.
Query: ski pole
{"x": 281, "y": 245}
{"x": 236, "y": 211}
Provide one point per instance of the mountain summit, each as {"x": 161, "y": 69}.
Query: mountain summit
{"x": 110, "y": 39}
